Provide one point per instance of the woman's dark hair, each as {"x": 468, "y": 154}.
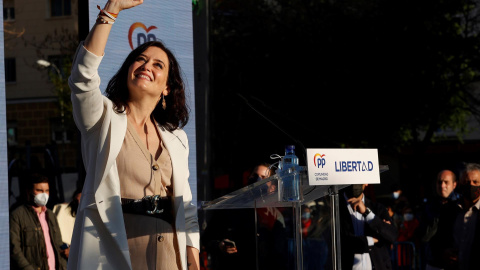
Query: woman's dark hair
{"x": 74, "y": 203}
{"x": 176, "y": 113}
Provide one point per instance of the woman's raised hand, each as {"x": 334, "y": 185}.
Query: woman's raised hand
{"x": 98, "y": 36}
{"x": 115, "y": 6}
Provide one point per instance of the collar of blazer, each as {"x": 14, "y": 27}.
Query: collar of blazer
{"x": 168, "y": 135}
{"x": 177, "y": 149}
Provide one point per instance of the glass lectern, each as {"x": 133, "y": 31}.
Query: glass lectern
{"x": 262, "y": 195}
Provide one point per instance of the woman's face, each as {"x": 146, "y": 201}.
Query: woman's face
{"x": 148, "y": 74}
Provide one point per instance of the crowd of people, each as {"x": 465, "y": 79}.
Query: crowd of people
{"x": 442, "y": 229}
{"x": 439, "y": 233}
{"x": 436, "y": 229}
{"x": 391, "y": 232}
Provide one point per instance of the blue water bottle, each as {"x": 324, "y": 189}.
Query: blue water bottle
{"x": 289, "y": 171}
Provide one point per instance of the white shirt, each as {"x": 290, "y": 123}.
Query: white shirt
{"x": 361, "y": 261}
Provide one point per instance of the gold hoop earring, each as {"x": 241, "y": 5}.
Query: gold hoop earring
{"x": 164, "y": 103}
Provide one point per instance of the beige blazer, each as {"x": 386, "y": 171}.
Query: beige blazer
{"x": 99, "y": 239}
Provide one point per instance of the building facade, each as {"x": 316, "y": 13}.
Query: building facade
{"x": 41, "y": 133}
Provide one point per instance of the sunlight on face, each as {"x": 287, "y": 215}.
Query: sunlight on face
{"x": 41, "y": 188}
{"x": 263, "y": 172}
{"x": 148, "y": 74}
{"x": 445, "y": 184}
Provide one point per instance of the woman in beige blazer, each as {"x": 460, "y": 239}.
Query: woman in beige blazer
{"x": 152, "y": 78}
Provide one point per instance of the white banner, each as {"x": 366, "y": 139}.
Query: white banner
{"x": 342, "y": 166}
{"x": 169, "y": 22}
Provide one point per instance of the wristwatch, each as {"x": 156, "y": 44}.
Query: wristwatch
{"x": 367, "y": 211}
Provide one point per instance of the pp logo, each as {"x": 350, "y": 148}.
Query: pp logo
{"x": 141, "y": 37}
{"x": 318, "y": 160}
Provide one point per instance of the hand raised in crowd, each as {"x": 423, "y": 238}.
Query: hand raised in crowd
{"x": 357, "y": 204}
{"x": 226, "y": 247}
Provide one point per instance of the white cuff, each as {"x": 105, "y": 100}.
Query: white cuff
{"x": 370, "y": 241}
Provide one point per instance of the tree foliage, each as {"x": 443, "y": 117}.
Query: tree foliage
{"x": 61, "y": 44}
{"x": 356, "y": 73}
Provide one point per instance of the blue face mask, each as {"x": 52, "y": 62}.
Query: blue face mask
{"x": 306, "y": 215}
{"x": 396, "y": 195}
{"x": 408, "y": 216}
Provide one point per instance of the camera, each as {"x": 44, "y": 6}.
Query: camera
{"x": 229, "y": 243}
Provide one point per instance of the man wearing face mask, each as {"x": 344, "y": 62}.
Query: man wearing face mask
{"x": 35, "y": 237}
{"x": 306, "y": 221}
{"x": 366, "y": 231}
{"x": 464, "y": 246}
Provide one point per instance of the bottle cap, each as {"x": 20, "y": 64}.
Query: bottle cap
{"x": 290, "y": 147}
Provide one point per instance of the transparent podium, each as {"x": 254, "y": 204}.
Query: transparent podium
{"x": 265, "y": 194}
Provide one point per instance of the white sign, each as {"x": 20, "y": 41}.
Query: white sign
{"x": 342, "y": 166}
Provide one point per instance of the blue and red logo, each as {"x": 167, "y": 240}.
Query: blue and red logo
{"x": 318, "y": 160}
{"x": 142, "y": 37}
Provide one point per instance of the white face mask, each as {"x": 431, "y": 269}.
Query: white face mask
{"x": 396, "y": 195}
{"x": 41, "y": 199}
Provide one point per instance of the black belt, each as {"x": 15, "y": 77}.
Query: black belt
{"x": 153, "y": 206}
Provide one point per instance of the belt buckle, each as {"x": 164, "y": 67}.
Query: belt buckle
{"x": 154, "y": 202}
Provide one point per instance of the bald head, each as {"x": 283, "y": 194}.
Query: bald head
{"x": 446, "y": 183}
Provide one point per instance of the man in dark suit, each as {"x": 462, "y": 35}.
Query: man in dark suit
{"x": 459, "y": 226}
{"x": 366, "y": 231}
{"x": 441, "y": 203}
